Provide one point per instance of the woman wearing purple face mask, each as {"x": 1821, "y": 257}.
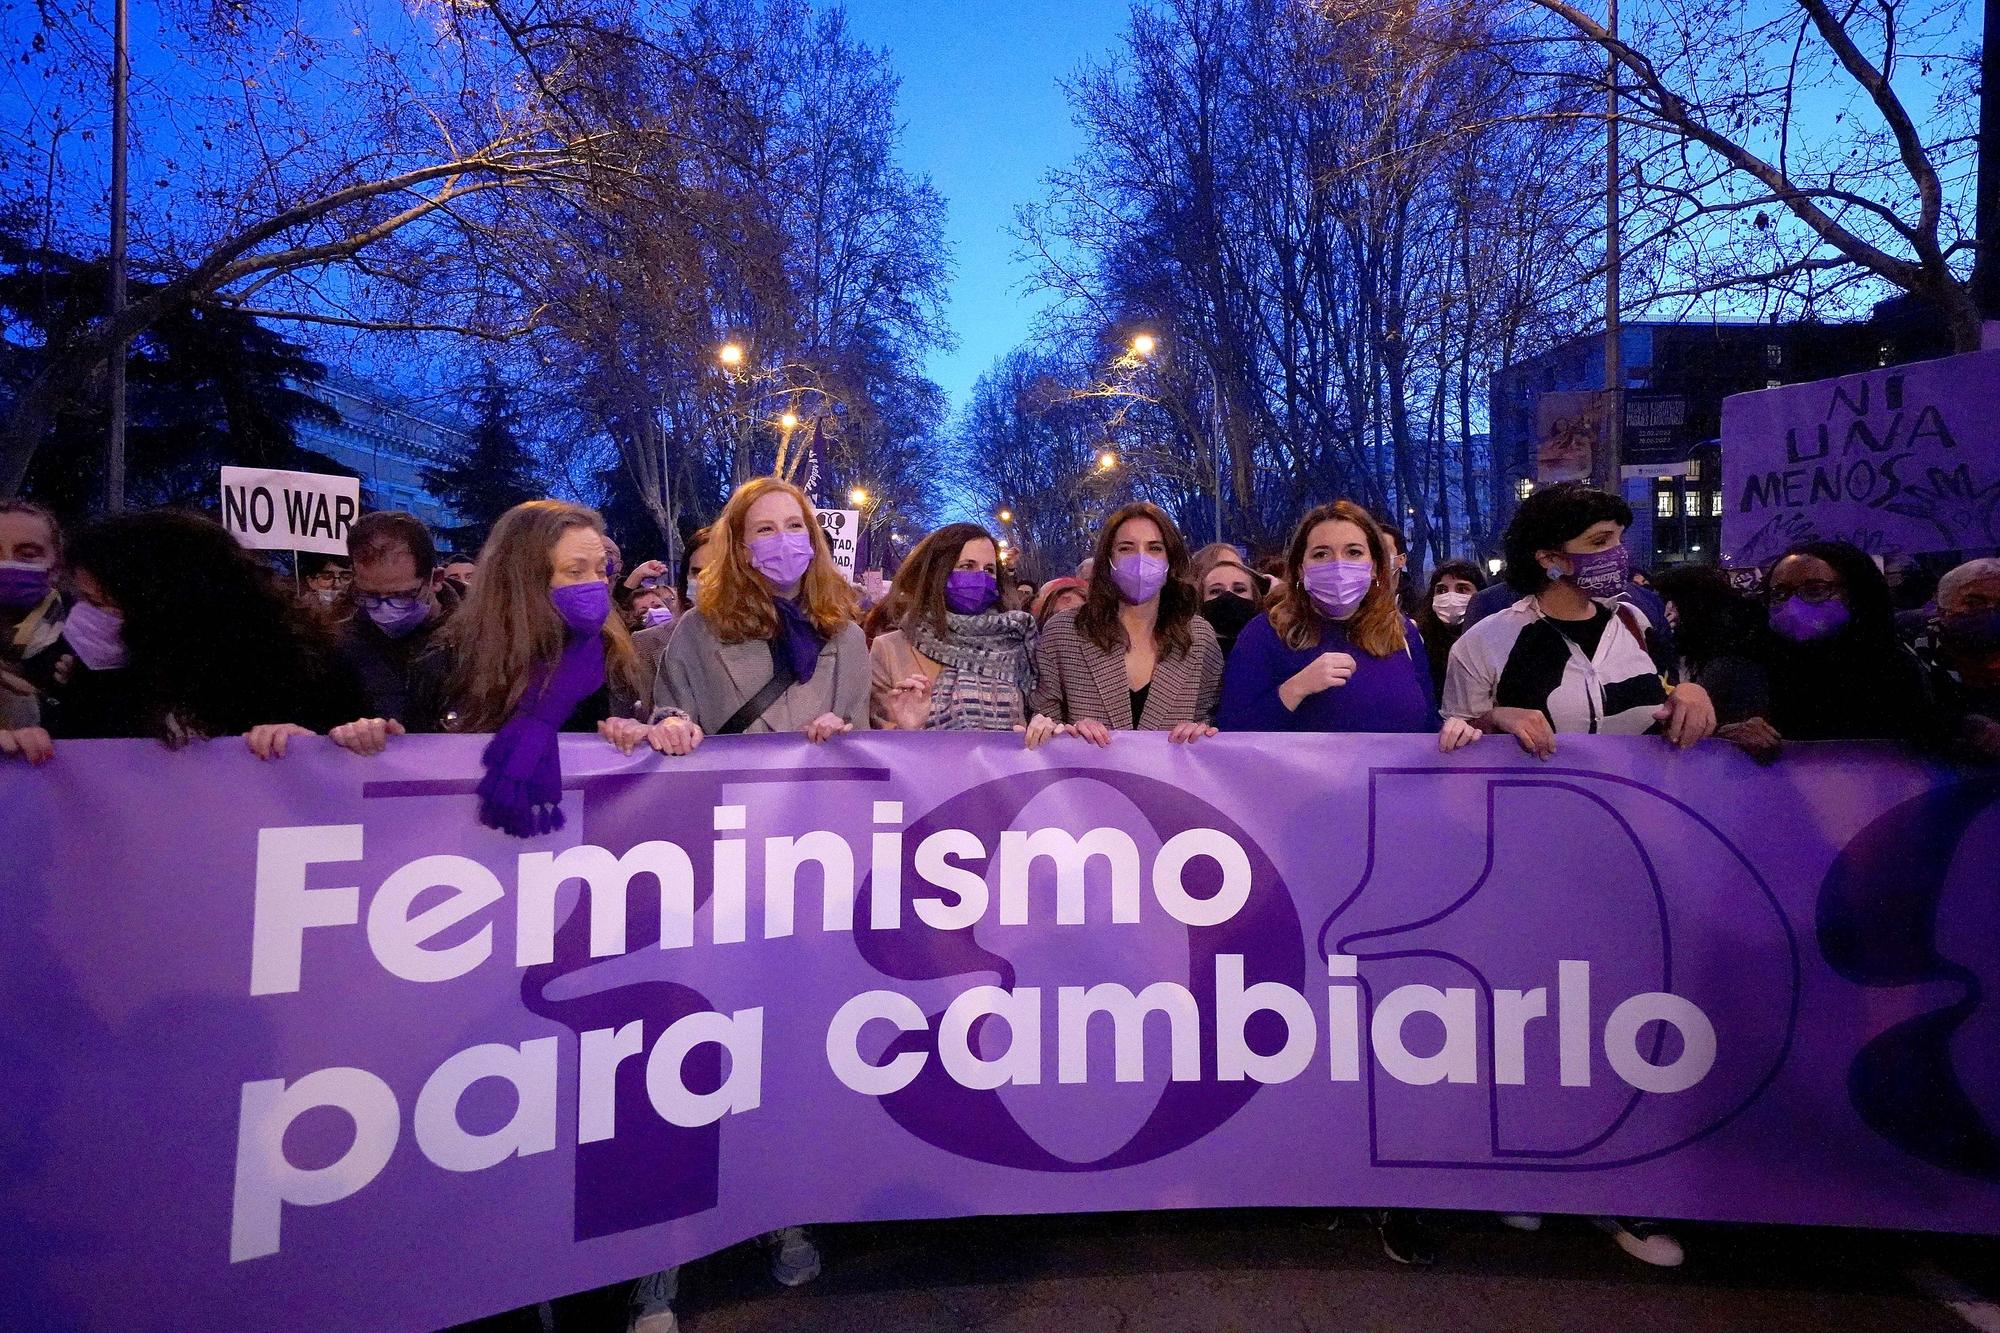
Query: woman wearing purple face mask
{"x": 533, "y": 652}
{"x": 1136, "y": 656}
{"x": 1836, "y": 668}
{"x": 31, "y": 624}
{"x": 1572, "y": 655}
{"x": 1334, "y": 652}
{"x": 179, "y": 634}
{"x": 955, "y": 660}
{"x": 772, "y": 643}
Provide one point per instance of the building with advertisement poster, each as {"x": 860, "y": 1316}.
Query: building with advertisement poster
{"x": 1676, "y": 376}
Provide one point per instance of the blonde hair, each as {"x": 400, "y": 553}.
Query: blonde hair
{"x": 732, "y": 597}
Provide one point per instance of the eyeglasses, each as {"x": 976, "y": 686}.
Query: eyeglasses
{"x": 398, "y": 602}
{"x": 1816, "y": 591}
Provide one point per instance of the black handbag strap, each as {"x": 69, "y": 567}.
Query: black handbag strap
{"x": 753, "y": 708}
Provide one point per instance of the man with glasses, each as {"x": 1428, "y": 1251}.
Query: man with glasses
{"x": 325, "y": 584}
{"x": 400, "y": 602}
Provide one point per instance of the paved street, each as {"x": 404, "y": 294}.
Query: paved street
{"x": 1245, "y": 1270}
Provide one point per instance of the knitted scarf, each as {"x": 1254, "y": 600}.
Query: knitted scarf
{"x": 986, "y": 674}
{"x": 521, "y": 793}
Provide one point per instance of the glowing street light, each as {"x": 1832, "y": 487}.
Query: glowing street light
{"x": 790, "y": 421}
{"x": 1006, "y": 516}
{"x": 1144, "y": 344}
{"x": 858, "y": 496}
{"x": 1106, "y": 461}
{"x": 731, "y": 355}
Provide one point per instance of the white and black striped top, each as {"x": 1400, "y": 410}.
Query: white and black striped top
{"x": 1520, "y": 658}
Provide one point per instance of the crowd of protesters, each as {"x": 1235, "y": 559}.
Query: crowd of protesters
{"x": 159, "y": 624}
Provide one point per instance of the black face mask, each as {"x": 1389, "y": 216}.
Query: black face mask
{"x": 1227, "y": 614}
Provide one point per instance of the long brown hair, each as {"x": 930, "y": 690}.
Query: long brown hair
{"x": 1097, "y": 618}
{"x": 1376, "y": 627}
{"x": 732, "y": 597}
{"x": 918, "y": 593}
{"x": 507, "y": 630}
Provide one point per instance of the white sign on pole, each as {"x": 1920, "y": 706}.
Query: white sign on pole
{"x": 843, "y": 531}
{"x": 289, "y": 511}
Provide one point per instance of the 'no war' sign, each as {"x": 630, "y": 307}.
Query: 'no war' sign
{"x": 289, "y": 511}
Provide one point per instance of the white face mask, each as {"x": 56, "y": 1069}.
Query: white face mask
{"x": 1450, "y": 606}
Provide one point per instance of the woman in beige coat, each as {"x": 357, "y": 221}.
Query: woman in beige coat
{"x": 954, "y": 660}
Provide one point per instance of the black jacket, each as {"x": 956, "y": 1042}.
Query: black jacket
{"x": 386, "y": 665}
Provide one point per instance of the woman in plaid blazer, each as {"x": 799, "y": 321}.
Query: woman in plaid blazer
{"x": 1136, "y": 656}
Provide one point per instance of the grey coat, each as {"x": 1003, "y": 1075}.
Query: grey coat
{"x": 709, "y": 680}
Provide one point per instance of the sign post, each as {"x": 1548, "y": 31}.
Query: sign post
{"x": 1898, "y": 461}
{"x": 843, "y": 535}
{"x": 289, "y": 511}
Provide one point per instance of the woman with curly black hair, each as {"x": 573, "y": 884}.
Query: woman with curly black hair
{"x": 178, "y": 633}
{"x": 1838, "y": 671}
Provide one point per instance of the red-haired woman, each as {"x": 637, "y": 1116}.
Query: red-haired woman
{"x": 954, "y": 660}
{"x": 772, "y": 643}
{"x": 530, "y": 652}
{"x": 1334, "y": 652}
{"x": 1136, "y": 656}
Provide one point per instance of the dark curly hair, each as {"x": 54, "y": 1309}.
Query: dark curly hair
{"x": 1546, "y": 520}
{"x": 1871, "y": 615}
{"x": 1713, "y": 618}
{"x": 213, "y": 647}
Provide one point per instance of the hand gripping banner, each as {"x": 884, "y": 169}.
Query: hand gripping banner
{"x": 300, "y": 1044}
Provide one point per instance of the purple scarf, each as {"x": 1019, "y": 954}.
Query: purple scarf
{"x": 521, "y": 793}
{"x": 797, "y": 638}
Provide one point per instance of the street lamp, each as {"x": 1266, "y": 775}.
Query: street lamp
{"x": 1006, "y": 516}
{"x": 858, "y": 496}
{"x": 790, "y": 421}
{"x": 1144, "y": 344}
{"x": 730, "y": 355}
{"x": 1107, "y": 460}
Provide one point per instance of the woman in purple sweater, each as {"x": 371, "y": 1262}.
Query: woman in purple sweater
{"x": 1334, "y": 653}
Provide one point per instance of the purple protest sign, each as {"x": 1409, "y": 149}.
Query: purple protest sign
{"x": 302, "y": 1044}
{"x": 1897, "y": 461}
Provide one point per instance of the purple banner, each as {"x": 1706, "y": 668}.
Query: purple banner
{"x": 1897, "y": 461}
{"x": 301, "y": 1045}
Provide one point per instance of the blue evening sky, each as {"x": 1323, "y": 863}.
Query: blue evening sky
{"x": 984, "y": 119}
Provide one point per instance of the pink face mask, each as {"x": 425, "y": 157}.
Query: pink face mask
{"x": 1139, "y": 577}
{"x": 1337, "y": 586}
{"x": 782, "y": 557}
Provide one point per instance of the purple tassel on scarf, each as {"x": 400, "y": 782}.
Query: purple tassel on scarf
{"x": 521, "y": 793}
